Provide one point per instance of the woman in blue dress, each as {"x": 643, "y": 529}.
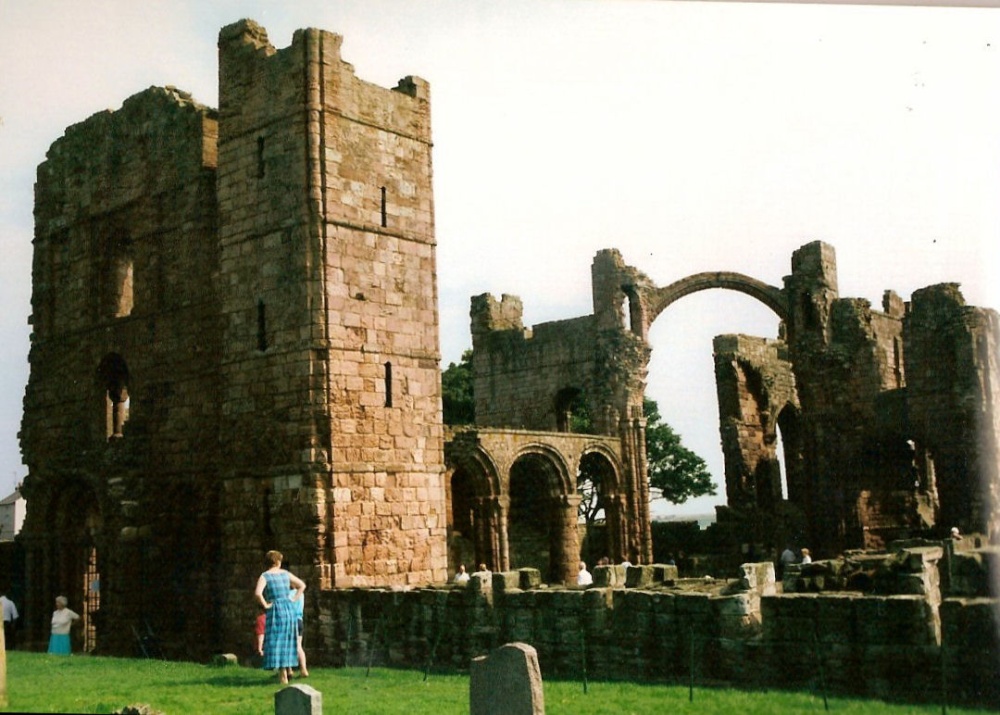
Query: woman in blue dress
{"x": 275, "y": 593}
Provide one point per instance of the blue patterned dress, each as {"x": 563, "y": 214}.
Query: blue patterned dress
{"x": 280, "y": 638}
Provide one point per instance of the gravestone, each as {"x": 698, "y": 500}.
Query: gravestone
{"x": 507, "y": 682}
{"x": 298, "y": 700}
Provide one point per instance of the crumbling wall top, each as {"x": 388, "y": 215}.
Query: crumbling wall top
{"x": 488, "y": 314}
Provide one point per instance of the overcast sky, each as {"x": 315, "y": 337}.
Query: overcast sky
{"x": 690, "y": 136}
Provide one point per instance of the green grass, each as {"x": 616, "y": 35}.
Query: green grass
{"x": 42, "y": 683}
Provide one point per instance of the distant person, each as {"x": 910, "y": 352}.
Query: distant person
{"x": 483, "y": 569}
{"x": 956, "y": 535}
{"x": 583, "y": 577}
{"x": 259, "y": 627}
{"x": 626, "y": 563}
{"x": 10, "y": 617}
{"x": 806, "y": 557}
{"x": 277, "y": 590}
{"x": 461, "y": 576}
{"x": 62, "y": 620}
{"x": 787, "y": 558}
{"x": 300, "y": 612}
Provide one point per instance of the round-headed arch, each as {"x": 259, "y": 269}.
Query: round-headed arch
{"x": 773, "y": 298}
{"x": 552, "y": 464}
{"x": 611, "y": 469}
{"x": 480, "y": 468}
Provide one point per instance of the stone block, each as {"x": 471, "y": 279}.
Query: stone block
{"x": 758, "y": 577}
{"x": 502, "y": 582}
{"x": 608, "y": 577}
{"x": 508, "y": 681}
{"x": 639, "y": 576}
{"x": 917, "y": 558}
{"x": 529, "y": 578}
{"x": 664, "y": 573}
{"x": 480, "y": 581}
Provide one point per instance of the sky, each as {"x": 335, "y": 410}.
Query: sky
{"x": 691, "y": 136}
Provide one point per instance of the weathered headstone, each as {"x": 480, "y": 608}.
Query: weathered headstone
{"x": 224, "y": 660}
{"x": 507, "y": 682}
{"x": 298, "y": 700}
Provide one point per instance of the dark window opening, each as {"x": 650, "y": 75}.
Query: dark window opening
{"x": 260, "y": 157}
{"x": 113, "y": 378}
{"x": 388, "y": 384}
{"x": 384, "y": 224}
{"x": 261, "y": 326}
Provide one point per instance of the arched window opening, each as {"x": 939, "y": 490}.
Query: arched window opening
{"x": 593, "y": 479}
{"x": 632, "y": 311}
{"x": 113, "y": 379}
{"x": 388, "y": 384}
{"x": 572, "y": 412}
{"x": 260, "y": 158}
{"x": 119, "y": 277}
{"x": 789, "y": 455}
{"x": 261, "y": 326}
{"x": 779, "y": 457}
{"x": 126, "y": 296}
{"x": 384, "y": 212}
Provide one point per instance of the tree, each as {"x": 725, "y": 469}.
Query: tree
{"x": 675, "y": 472}
{"x": 457, "y": 397}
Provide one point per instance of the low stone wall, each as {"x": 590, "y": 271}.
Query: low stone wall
{"x": 739, "y": 631}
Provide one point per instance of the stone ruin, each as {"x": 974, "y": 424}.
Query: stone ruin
{"x": 888, "y": 419}
{"x": 235, "y": 348}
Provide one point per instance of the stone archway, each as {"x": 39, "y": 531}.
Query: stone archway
{"x": 772, "y": 297}
{"x": 542, "y": 518}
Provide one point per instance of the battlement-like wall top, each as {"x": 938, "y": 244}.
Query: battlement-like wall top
{"x": 489, "y": 314}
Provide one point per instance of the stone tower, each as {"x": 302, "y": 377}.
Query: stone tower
{"x": 331, "y": 401}
{"x": 235, "y": 348}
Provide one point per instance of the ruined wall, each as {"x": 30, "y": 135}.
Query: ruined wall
{"x": 846, "y": 356}
{"x": 520, "y": 373}
{"x": 756, "y": 386}
{"x": 952, "y": 398}
{"x": 660, "y": 628}
{"x": 584, "y": 374}
{"x": 120, "y": 426}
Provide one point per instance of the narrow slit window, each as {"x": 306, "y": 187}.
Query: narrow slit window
{"x": 388, "y": 384}
{"x": 384, "y": 224}
{"x": 260, "y": 157}
{"x": 261, "y": 326}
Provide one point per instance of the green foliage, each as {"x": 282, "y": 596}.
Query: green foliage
{"x": 675, "y": 472}
{"x": 40, "y": 683}
{"x": 457, "y": 397}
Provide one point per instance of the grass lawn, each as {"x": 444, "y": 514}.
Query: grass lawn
{"x": 40, "y": 683}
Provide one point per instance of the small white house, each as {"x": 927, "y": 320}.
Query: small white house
{"x": 12, "y": 509}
